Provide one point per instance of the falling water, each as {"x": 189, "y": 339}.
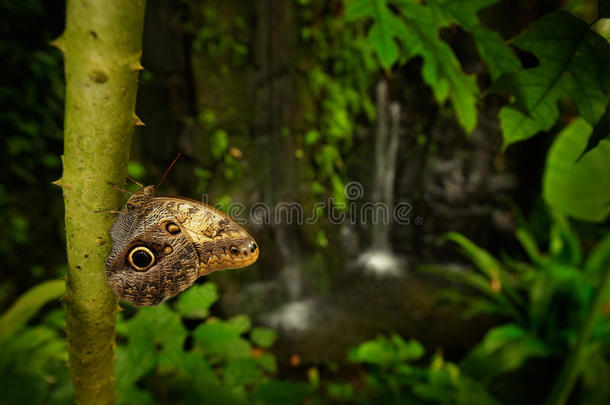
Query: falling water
{"x": 379, "y": 259}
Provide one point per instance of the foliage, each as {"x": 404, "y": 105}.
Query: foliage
{"x": 31, "y": 96}
{"x": 33, "y": 365}
{"x": 342, "y": 71}
{"x": 219, "y": 361}
{"x": 33, "y": 359}
{"x": 416, "y": 27}
{"x": 578, "y": 187}
{"x": 34, "y": 92}
{"x": 393, "y": 376}
{"x": 543, "y": 304}
{"x": 179, "y": 351}
{"x": 28, "y": 304}
{"x": 572, "y": 61}
{"x": 220, "y": 42}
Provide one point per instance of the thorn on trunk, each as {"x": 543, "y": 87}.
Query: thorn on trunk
{"x": 137, "y": 122}
{"x": 59, "y": 44}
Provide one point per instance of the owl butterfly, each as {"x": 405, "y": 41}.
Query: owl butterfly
{"x": 161, "y": 245}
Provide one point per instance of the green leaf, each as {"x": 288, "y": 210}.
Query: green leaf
{"x": 564, "y": 246}
{"x": 221, "y": 340}
{"x": 263, "y": 337}
{"x": 599, "y": 259}
{"x": 242, "y": 372}
{"x": 408, "y": 351}
{"x": 192, "y": 365}
{"x": 488, "y": 264}
{"x": 311, "y": 137}
{"x": 503, "y": 349}
{"x": 441, "y": 69}
{"x": 417, "y": 28}
{"x": 28, "y": 304}
{"x": 580, "y": 190}
{"x": 379, "y": 351}
{"x": 32, "y": 367}
{"x": 157, "y": 324}
{"x": 498, "y": 56}
{"x": 135, "y": 169}
{"x": 600, "y": 132}
{"x": 573, "y": 63}
{"x": 215, "y": 332}
{"x": 219, "y": 143}
{"x": 529, "y": 245}
{"x": 498, "y": 283}
{"x": 460, "y": 275}
{"x": 148, "y": 329}
{"x": 196, "y": 301}
{"x": 133, "y": 362}
{"x": 386, "y": 27}
{"x": 32, "y": 349}
{"x": 267, "y": 362}
{"x": 595, "y": 376}
{"x": 341, "y": 391}
{"x": 241, "y": 323}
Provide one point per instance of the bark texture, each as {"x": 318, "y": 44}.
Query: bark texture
{"x": 102, "y": 45}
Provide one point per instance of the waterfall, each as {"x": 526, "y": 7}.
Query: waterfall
{"x": 379, "y": 259}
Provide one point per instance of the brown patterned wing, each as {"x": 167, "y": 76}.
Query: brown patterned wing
{"x": 221, "y": 243}
{"x": 152, "y": 259}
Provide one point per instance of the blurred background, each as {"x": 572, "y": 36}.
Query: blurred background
{"x": 286, "y": 101}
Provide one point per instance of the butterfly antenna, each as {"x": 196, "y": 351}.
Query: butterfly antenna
{"x": 110, "y": 211}
{"x": 120, "y": 188}
{"x": 135, "y": 181}
{"x": 168, "y": 169}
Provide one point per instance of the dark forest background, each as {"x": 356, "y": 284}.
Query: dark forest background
{"x": 286, "y": 101}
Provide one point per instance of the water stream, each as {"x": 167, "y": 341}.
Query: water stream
{"x": 379, "y": 259}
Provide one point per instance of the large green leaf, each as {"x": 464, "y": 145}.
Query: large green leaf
{"x": 600, "y": 132}
{"x": 147, "y": 330}
{"x": 28, "y": 304}
{"x": 573, "y": 63}
{"x": 263, "y": 337}
{"x": 441, "y": 69}
{"x": 196, "y": 301}
{"x": 417, "y": 29}
{"x": 578, "y": 189}
{"x": 498, "y": 56}
{"x": 242, "y": 371}
{"x": 386, "y": 27}
{"x": 221, "y": 340}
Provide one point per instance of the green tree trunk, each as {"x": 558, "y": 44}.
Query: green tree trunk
{"x": 102, "y": 45}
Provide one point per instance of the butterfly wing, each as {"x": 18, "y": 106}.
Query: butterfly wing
{"x": 174, "y": 262}
{"x": 221, "y": 243}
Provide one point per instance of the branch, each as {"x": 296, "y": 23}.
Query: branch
{"x": 102, "y": 44}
